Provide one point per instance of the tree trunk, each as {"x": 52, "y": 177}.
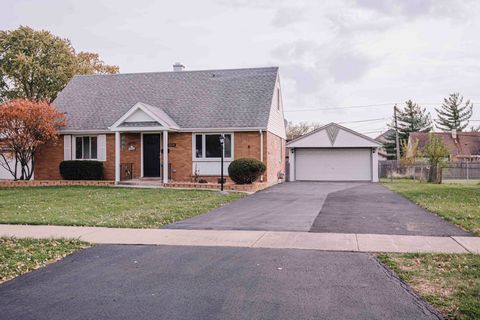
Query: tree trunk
{"x": 435, "y": 174}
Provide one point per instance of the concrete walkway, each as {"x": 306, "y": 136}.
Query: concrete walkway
{"x": 251, "y": 239}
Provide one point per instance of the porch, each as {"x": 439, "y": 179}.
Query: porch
{"x": 140, "y": 155}
{"x": 141, "y": 143}
{"x": 150, "y": 145}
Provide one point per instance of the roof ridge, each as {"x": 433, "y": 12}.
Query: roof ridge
{"x": 176, "y": 72}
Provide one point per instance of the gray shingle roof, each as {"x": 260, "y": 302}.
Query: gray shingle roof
{"x": 193, "y": 99}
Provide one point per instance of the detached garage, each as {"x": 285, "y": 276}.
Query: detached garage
{"x": 333, "y": 153}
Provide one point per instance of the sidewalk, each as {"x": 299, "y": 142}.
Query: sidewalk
{"x": 251, "y": 239}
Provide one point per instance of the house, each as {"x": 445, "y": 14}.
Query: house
{"x": 333, "y": 153}
{"x": 462, "y": 146}
{"x": 167, "y": 125}
{"x": 384, "y": 138}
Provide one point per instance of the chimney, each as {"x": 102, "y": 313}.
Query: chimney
{"x": 178, "y": 67}
{"x": 454, "y": 134}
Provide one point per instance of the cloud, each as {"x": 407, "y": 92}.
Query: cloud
{"x": 295, "y": 50}
{"x": 330, "y": 61}
{"x": 307, "y": 79}
{"x": 287, "y": 16}
{"x": 349, "y": 66}
{"x": 249, "y": 3}
{"x": 412, "y": 9}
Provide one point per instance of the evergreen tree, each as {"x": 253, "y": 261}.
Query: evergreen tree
{"x": 452, "y": 115}
{"x": 410, "y": 118}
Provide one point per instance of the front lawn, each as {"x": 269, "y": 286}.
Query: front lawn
{"x": 18, "y": 256}
{"x": 450, "y": 282}
{"x": 106, "y": 206}
{"x": 457, "y": 203}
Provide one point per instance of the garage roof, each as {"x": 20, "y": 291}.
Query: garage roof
{"x": 333, "y": 135}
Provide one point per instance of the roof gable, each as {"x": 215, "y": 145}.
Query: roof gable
{"x": 236, "y": 98}
{"x": 142, "y": 113}
{"x": 276, "y": 121}
{"x": 333, "y": 135}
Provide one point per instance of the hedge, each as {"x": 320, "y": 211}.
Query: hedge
{"x": 81, "y": 170}
{"x": 246, "y": 170}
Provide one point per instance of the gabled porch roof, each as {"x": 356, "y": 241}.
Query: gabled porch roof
{"x": 144, "y": 117}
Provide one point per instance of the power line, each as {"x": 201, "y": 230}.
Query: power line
{"x": 364, "y": 106}
{"x": 367, "y": 120}
{"x": 376, "y": 131}
{"x": 336, "y": 108}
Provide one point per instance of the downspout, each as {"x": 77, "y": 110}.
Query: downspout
{"x": 261, "y": 150}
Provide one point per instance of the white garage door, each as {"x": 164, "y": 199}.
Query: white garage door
{"x": 333, "y": 164}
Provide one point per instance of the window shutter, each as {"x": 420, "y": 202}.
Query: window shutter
{"x": 67, "y": 147}
{"x": 102, "y": 147}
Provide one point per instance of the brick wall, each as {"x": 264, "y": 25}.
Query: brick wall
{"x": 246, "y": 145}
{"x": 130, "y": 156}
{"x": 180, "y": 156}
{"x": 274, "y": 156}
{"x": 47, "y": 161}
{"x": 49, "y": 157}
{"x": 109, "y": 165}
{"x": 51, "y": 183}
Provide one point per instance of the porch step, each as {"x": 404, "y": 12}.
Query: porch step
{"x": 141, "y": 182}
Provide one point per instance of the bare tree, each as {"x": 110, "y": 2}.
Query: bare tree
{"x": 295, "y": 130}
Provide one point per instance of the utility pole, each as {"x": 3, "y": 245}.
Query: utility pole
{"x": 397, "y": 141}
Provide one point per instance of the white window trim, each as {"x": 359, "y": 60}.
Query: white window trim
{"x": 203, "y": 158}
{"x": 74, "y": 154}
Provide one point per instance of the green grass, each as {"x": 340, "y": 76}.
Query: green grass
{"x": 106, "y": 206}
{"x": 18, "y": 256}
{"x": 457, "y": 203}
{"x": 450, "y": 282}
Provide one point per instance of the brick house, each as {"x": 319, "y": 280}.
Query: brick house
{"x": 462, "y": 146}
{"x": 167, "y": 125}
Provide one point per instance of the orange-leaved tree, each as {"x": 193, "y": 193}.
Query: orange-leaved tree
{"x": 24, "y": 126}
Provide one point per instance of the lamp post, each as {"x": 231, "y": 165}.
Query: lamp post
{"x": 222, "y": 143}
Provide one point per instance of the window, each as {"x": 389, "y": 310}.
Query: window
{"x": 213, "y": 148}
{"x": 198, "y": 146}
{"x": 85, "y": 148}
{"x": 208, "y": 146}
{"x": 278, "y": 99}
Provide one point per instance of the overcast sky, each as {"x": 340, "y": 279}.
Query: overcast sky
{"x": 331, "y": 54}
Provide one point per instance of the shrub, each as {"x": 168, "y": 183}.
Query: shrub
{"x": 246, "y": 170}
{"x": 81, "y": 170}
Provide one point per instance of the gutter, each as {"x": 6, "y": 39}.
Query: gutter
{"x": 74, "y": 131}
{"x": 261, "y": 150}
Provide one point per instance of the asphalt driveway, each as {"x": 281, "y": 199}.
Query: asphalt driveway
{"x": 373, "y": 209}
{"x": 284, "y": 207}
{"x": 336, "y": 207}
{"x": 153, "y": 282}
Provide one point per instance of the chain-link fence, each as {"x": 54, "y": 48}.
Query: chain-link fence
{"x": 420, "y": 171}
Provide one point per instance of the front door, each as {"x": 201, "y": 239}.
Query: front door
{"x": 151, "y": 155}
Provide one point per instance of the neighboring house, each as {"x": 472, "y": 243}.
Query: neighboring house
{"x": 333, "y": 153}
{"x": 462, "y": 146}
{"x": 168, "y": 124}
{"x": 5, "y": 163}
{"x": 383, "y": 139}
